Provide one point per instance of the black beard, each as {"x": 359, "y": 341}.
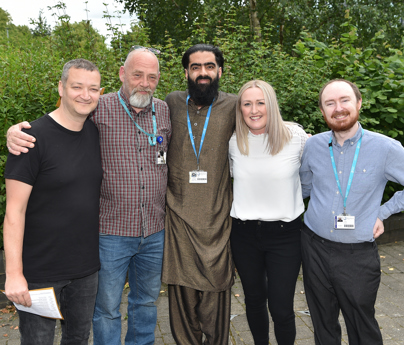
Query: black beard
{"x": 203, "y": 94}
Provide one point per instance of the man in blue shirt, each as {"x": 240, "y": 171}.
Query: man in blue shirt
{"x": 344, "y": 171}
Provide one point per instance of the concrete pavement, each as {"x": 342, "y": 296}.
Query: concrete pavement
{"x": 389, "y": 310}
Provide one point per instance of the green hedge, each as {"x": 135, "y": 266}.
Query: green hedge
{"x": 30, "y": 70}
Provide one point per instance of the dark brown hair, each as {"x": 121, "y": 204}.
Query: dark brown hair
{"x": 352, "y": 85}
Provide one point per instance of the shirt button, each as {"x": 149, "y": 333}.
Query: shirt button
{"x": 364, "y": 170}
{"x": 340, "y": 172}
{"x": 351, "y": 142}
{"x": 140, "y": 150}
{"x": 337, "y": 192}
{"x": 138, "y": 132}
{"x": 141, "y": 169}
{"x": 333, "y": 212}
{"x": 332, "y": 231}
{"x": 142, "y": 205}
{"x": 195, "y": 124}
{"x": 259, "y": 223}
{"x": 197, "y": 112}
{"x": 142, "y": 187}
{"x": 342, "y": 153}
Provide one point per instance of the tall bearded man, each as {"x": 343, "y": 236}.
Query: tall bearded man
{"x": 345, "y": 171}
{"x": 197, "y": 264}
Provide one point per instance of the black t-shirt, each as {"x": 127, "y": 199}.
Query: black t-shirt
{"x": 61, "y": 223}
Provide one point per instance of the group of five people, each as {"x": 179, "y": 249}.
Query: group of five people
{"x": 181, "y": 202}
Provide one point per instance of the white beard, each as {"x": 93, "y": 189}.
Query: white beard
{"x": 138, "y": 100}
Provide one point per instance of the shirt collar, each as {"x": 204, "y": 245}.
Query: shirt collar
{"x": 145, "y": 110}
{"x": 352, "y": 140}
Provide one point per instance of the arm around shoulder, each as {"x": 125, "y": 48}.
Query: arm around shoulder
{"x": 18, "y": 141}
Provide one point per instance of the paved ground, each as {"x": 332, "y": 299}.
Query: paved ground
{"x": 389, "y": 309}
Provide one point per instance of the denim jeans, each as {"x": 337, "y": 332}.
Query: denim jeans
{"x": 143, "y": 258}
{"x": 76, "y": 298}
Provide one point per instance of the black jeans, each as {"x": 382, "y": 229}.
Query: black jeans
{"x": 346, "y": 277}
{"x": 76, "y": 298}
{"x": 267, "y": 258}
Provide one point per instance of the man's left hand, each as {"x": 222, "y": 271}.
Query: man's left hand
{"x": 378, "y": 229}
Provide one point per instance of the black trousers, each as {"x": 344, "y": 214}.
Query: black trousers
{"x": 341, "y": 276}
{"x": 267, "y": 258}
{"x": 77, "y": 299}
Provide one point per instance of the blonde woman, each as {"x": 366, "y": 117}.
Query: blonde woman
{"x": 265, "y": 154}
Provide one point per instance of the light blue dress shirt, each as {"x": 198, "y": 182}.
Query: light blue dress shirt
{"x": 381, "y": 159}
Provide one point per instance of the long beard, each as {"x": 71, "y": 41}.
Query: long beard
{"x": 203, "y": 94}
{"x": 343, "y": 125}
{"x": 138, "y": 100}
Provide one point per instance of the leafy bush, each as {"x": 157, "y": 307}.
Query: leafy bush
{"x": 30, "y": 69}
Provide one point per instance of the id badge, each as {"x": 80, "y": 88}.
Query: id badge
{"x": 344, "y": 222}
{"x": 161, "y": 157}
{"x": 198, "y": 176}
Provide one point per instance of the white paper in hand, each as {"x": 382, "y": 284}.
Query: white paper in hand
{"x": 44, "y": 303}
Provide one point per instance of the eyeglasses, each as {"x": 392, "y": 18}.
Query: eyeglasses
{"x": 153, "y": 50}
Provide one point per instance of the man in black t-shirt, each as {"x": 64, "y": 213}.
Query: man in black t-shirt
{"x": 51, "y": 222}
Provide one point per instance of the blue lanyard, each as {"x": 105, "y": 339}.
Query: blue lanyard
{"x": 203, "y": 132}
{"x": 151, "y": 137}
{"x": 348, "y": 187}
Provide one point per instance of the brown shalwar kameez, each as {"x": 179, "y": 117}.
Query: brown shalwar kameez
{"x": 197, "y": 254}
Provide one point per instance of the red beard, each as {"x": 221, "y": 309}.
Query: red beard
{"x": 342, "y": 126}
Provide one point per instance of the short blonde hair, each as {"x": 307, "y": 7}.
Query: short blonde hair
{"x": 277, "y": 133}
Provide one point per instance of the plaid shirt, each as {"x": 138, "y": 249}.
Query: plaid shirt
{"x": 133, "y": 189}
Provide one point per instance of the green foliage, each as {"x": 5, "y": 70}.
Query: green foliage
{"x": 30, "y": 68}
{"x": 380, "y": 79}
{"x": 296, "y": 80}
{"x": 9, "y": 30}
{"x": 323, "y": 18}
{"x": 41, "y": 26}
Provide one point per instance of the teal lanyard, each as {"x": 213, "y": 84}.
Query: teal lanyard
{"x": 203, "y": 132}
{"x": 151, "y": 137}
{"x": 355, "y": 160}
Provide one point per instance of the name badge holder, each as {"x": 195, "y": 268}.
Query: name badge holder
{"x": 161, "y": 155}
{"x": 344, "y": 221}
{"x": 198, "y": 176}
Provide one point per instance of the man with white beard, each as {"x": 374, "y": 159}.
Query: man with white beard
{"x": 134, "y": 130}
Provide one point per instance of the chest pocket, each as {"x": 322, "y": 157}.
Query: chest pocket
{"x": 363, "y": 179}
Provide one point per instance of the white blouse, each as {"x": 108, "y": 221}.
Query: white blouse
{"x": 267, "y": 187}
